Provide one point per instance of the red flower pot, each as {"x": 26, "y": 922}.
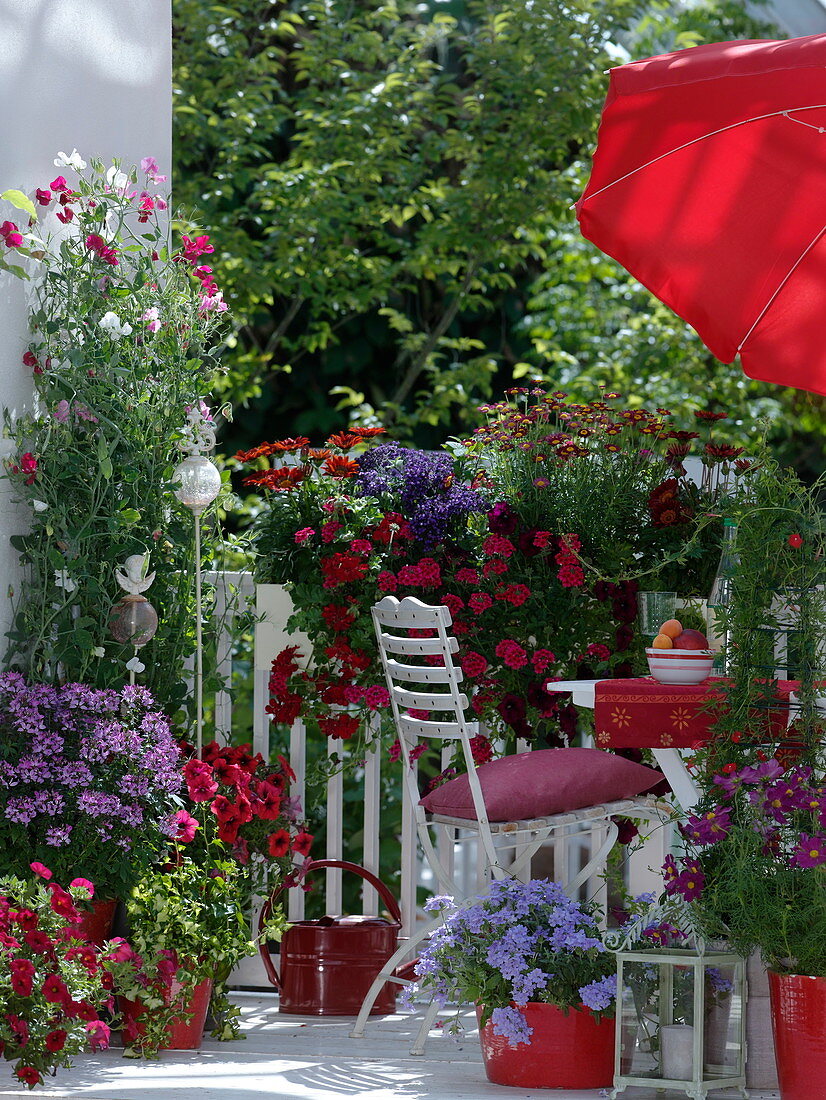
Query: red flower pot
{"x": 184, "y": 1034}
{"x": 565, "y": 1052}
{"x": 96, "y": 925}
{"x": 798, "y": 1005}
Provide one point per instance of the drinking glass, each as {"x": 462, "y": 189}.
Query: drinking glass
{"x": 654, "y": 609}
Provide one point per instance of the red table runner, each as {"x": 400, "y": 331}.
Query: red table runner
{"x": 643, "y": 713}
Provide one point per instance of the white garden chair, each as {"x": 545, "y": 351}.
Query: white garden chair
{"x": 421, "y": 676}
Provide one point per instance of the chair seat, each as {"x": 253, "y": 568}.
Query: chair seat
{"x": 626, "y": 807}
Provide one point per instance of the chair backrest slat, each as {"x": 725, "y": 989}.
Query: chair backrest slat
{"x": 423, "y": 674}
{"x": 419, "y": 647}
{"x": 421, "y": 700}
{"x": 413, "y": 728}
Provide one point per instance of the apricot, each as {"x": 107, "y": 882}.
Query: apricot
{"x": 671, "y": 628}
{"x": 662, "y": 641}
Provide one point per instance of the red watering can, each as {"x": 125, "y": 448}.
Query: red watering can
{"x": 328, "y": 965}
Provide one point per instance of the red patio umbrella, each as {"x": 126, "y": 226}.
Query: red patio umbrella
{"x": 709, "y": 186}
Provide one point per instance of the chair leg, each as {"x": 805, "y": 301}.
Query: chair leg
{"x": 421, "y": 1038}
{"x": 387, "y": 974}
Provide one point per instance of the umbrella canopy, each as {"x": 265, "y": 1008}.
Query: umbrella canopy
{"x": 709, "y": 186}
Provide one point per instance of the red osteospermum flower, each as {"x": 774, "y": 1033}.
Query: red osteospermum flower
{"x": 343, "y": 440}
{"x": 341, "y": 467}
{"x": 302, "y": 843}
{"x": 286, "y": 446}
{"x": 278, "y": 844}
{"x": 263, "y": 450}
{"x": 367, "y": 433}
{"x": 282, "y": 479}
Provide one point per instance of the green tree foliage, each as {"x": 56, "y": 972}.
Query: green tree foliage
{"x": 389, "y": 184}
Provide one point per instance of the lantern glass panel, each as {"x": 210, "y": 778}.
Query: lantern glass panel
{"x": 680, "y": 1019}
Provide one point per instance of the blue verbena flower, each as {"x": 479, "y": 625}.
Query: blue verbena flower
{"x": 511, "y": 1024}
{"x": 600, "y": 994}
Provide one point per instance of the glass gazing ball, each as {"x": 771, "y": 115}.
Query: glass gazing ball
{"x": 133, "y": 621}
{"x": 199, "y": 480}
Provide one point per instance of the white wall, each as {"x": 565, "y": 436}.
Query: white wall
{"x": 95, "y": 75}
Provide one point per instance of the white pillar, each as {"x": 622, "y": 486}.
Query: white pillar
{"x": 95, "y": 75}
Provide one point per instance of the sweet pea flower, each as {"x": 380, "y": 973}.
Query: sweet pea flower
{"x": 64, "y": 581}
{"x": 113, "y": 326}
{"x": 151, "y": 317}
{"x": 72, "y": 160}
{"x": 116, "y": 179}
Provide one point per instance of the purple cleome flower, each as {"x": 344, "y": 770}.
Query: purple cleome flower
{"x": 91, "y": 765}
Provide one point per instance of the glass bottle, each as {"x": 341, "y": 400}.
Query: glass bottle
{"x": 720, "y": 598}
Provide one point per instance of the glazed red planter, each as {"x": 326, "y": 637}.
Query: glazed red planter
{"x": 181, "y": 1034}
{"x": 96, "y": 925}
{"x": 565, "y": 1052}
{"x": 798, "y": 1005}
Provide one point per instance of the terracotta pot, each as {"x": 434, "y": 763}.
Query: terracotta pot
{"x": 798, "y": 1005}
{"x": 565, "y": 1052}
{"x": 184, "y": 1034}
{"x": 96, "y": 925}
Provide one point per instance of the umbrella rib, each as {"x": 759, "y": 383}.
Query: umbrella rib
{"x": 712, "y": 133}
{"x": 780, "y": 286}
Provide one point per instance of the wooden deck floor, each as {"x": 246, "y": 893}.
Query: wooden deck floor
{"x": 303, "y": 1058}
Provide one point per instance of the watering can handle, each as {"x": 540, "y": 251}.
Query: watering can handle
{"x": 314, "y": 865}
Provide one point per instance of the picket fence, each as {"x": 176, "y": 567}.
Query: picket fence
{"x": 236, "y": 596}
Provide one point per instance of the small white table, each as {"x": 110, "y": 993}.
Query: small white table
{"x": 669, "y": 760}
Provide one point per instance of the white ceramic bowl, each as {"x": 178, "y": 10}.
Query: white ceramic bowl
{"x": 680, "y": 666}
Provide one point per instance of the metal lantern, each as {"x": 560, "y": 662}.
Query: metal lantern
{"x": 199, "y": 483}
{"x": 680, "y": 1021}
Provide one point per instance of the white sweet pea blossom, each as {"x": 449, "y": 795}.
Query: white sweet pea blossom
{"x": 112, "y": 324}
{"x": 136, "y": 664}
{"x": 73, "y": 160}
{"x": 98, "y": 651}
{"x": 39, "y": 505}
{"x": 64, "y": 581}
{"x": 116, "y": 179}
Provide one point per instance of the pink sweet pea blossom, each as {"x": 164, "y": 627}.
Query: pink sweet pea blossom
{"x": 43, "y": 196}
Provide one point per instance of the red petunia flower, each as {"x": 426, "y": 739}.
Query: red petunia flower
{"x": 278, "y": 844}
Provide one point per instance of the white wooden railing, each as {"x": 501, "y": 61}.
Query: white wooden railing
{"x": 236, "y": 595}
